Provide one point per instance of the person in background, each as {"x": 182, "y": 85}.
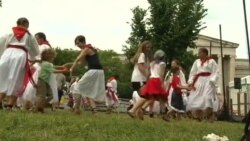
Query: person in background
{"x": 61, "y": 81}
{"x": 112, "y": 100}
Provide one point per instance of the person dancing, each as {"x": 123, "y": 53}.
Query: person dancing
{"x": 202, "y": 82}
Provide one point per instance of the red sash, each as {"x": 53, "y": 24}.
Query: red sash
{"x": 28, "y": 71}
{"x": 111, "y": 94}
{"x": 198, "y": 75}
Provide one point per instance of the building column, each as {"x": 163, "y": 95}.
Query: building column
{"x": 232, "y": 67}
{"x": 220, "y": 74}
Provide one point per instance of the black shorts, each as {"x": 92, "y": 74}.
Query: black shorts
{"x": 137, "y": 85}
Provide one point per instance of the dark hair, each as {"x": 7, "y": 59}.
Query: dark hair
{"x": 80, "y": 38}
{"x": 116, "y": 76}
{"x": 174, "y": 70}
{"x": 22, "y": 21}
{"x": 176, "y": 61}
{"x": 41, "y": 35}
{"x": 204, "y": 50}
{"x": 48, "y": 54}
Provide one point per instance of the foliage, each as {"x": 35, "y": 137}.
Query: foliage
{"x": 173, "y": 25}
{"x": 113, "y": 65}
{"x": 139, "y": 33}
{"x": 64, "y": 126}
{"x": 68, "y": 56}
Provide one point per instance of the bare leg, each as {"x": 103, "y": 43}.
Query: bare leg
{"x": 137, "y": 105}
{"x": 11, "y": 102}
{"x": 92, "y": 105}
{"x": 77, "y": 102}
{"x": 209, "y": 114}
{"x": 2, "y": 96}
{"x": 162, "y": 107}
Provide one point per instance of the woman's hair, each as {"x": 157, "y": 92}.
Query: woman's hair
{"x": 204, "y": 50}
{"x": 41, "y": 35}
{"x": 174, "y": 70}
{"x": 141, "y": 49}
{"x": 176, "y": 61}
{"x": 48, "y": 55}
{"x": 80, "y": 38}
{"x": 22, "y": 21}
{"x": 159, "y": 55}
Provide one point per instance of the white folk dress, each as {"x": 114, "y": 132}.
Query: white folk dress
{"x": 111, "y": 93}
{"x": 13, "y": 61}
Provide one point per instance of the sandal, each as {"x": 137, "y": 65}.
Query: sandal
{"x": 132, "y": 115}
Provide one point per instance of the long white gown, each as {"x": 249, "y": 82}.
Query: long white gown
{"x": 205, "y": 87}
{"x": 13, "y": 61}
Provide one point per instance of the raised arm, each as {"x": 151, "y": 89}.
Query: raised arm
{"x": 192, "y": 73}
{"x": 80, "y": 57}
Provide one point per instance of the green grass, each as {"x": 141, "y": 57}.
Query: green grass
{"x": 64, "y": 126}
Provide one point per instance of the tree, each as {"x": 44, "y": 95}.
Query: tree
{"x": 139, "y": 32}
{"x": 0, "y": 3}
{"x": 173, "y": 26}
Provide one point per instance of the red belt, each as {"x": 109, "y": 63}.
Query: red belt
{"x": 198, "y": 75}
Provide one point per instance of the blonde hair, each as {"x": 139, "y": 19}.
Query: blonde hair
{"x": 48, "y": 55}
{"x": 141, "y": 49}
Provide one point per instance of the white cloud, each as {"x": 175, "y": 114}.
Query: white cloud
{"x": 103, "y": 22}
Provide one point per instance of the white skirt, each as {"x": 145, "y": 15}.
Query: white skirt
{"x": 12, "y": 71}
{"x": 91, "y": 85}
{"x": 204, "y": 95}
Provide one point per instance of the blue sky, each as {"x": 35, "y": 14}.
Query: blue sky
{"x": 103, "y": 22}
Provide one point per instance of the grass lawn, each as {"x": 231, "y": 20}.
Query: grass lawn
{"x": 64, "y": 126}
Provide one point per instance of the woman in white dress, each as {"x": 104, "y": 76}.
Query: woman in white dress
{"x": 202, "y": 81}
{"x": 92, "y": 83}
{"x": 17, "y": 45}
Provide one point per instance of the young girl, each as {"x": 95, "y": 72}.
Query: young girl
{"x": 44, "y": 93}
{"x": 112, "y": 100}
{"x": 176, "y": 105}
{"x": 141, "y": 65}
{"x": 153, "y": 90}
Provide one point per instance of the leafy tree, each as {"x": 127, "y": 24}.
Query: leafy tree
{"x": 139, "y": 33}
{"x": 173, "y": 25}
